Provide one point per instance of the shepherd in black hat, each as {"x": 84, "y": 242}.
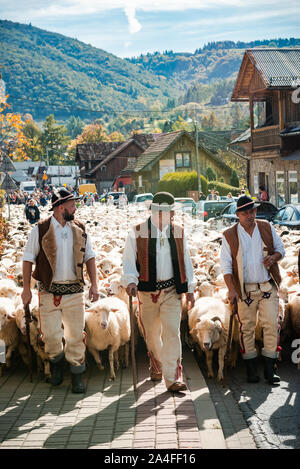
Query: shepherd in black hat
{"x": 59, "y": 246}
{"x": 249, "y": 259}
{"x": 157, "y": 267}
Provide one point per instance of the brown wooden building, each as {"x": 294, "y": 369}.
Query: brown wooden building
{"x": 174, "y": 151}
{"x": 269, "y": 79}
{"x": 103, "y": 163}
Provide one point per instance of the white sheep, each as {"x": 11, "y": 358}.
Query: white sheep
{"x": 8, "y": 329}
{"x": 293, "y": 314}
{"x": 107, "y": 326}
{"x": 8, "y": 288}
{"x": 43, "y": 359}
{"x": 208, "y": 324}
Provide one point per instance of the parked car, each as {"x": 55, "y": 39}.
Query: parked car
{"x": 288, "y": 216}
{"x": 186, "y": 204}
{"x": 140, "y": 198}
{"x": 115, "y": 195}
{"x": 265, "y": 211}
{"x": 207, "y": 209}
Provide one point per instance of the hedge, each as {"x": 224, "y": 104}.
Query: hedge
{"x": 223, "y": 188}
{"x": 179, "y": 183}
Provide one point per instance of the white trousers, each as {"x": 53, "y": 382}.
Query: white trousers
{"x": 63, "y": 317}
{"x": 263, "y": 304}
{"x": 159, "y": 317}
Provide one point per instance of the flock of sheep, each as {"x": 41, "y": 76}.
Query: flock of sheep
{"x": 107, "y": 321}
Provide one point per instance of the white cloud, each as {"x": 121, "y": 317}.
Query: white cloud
{"x": 134, "y": 25}
{"x": 38, "y": 9}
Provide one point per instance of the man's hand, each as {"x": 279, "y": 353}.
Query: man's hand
{"x": 26, "y": 296}
{"x": 232, "y": 295}
{"x": 268, "y": 261}
{"x": 131, "y": 289}
{"x": 190, "y": 299}
{"x": 93, "y": 293}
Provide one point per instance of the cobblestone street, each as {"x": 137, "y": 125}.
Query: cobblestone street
{"x": 272, "y": 414}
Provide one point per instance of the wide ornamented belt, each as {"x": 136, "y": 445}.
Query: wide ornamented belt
{"x": 165, "y": 284}
{"x": 62, "y": 288}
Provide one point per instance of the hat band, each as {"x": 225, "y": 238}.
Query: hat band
{"x": 245, "y": 205}
{"x": 162, "y": 207}
{"x": 62, "y": 198}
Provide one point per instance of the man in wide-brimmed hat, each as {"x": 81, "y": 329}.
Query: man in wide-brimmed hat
{"x": 157, "y": 267}
{"x": 59, "y": 246}
{"x": 250, "y": 253}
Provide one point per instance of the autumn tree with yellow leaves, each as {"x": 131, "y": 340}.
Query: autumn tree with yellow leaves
{"x": 11, "y": 133}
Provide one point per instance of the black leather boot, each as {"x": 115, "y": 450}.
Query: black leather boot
{"x": 252, "y": 376}
{"x": 269, "y": 371}
{"x": 77, "y": 384}
{"x": 57, "y": 373}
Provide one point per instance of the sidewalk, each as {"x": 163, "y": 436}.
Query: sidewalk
{"x": 37, "y": 415}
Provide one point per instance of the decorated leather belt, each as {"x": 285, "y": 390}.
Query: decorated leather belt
{"x": 62, "y": 288}
{"x": 165, "y": 284}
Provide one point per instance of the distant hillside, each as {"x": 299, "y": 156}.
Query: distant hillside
{"x": 46, "y": 72}
{"x": 215, "y": 61}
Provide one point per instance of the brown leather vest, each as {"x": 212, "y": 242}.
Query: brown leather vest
{"x": 46, "y": 258}
{"x": 232, "y": 238}
{"x": 146, "y": 256}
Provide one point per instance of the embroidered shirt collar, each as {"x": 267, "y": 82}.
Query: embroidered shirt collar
{"x": 56, "y": 223}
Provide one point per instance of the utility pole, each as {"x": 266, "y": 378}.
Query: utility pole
{"x": 197, "y": 157}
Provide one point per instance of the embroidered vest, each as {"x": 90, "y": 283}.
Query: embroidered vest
{"x": 46, "y": 258}
{"x": 146, "y": 256}
{"x": 232, "y": 238}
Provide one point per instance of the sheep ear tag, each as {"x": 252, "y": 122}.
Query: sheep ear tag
{"x": 2, "y": 351}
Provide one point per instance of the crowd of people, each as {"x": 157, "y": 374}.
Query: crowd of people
{"x": 215, "y": 195}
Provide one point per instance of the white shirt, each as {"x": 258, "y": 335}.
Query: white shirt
{"x": 254, "y": 270}
{"x": 65, "y": 263}
{"x": 164, "y": 267}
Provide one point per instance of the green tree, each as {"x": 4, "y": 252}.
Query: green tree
{"x": 181, "y": 124}
{"x": 32, "y": 147}
{"x": 234, "y": 179}
{"x": 210, "y": 174}
{"x": 74, "y": 126}
{"x": 54, "y": 140}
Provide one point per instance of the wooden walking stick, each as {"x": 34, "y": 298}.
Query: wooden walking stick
{"x": 27, "y": 322}
{"x": 234, "y": 311}
{"x": 132, "y": 327}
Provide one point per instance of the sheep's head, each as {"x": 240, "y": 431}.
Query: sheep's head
{"x": 5, "y": 316}
{"x": 207, "y": 332}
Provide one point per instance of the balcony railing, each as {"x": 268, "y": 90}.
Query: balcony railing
{"x": 265, "y": 138}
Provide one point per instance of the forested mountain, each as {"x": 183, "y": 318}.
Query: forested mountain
{"x": 216, "y": 60}
{"x": 47, "y": 73}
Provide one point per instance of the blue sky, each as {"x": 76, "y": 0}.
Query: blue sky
{"x": 128, "y": 28}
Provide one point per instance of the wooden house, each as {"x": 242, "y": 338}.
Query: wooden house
{"x": 174, "y": 151}
{"x": 103, "y": 163}
{"x": 269, "y": 79}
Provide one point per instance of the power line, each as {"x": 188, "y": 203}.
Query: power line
{"x": 114, "y": 111}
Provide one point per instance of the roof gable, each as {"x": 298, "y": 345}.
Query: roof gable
{"x": 95, "y": 151}
{"x": 162, "y": 143}
{"x": 272, "y": 68}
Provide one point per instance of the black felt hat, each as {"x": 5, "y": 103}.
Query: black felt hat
{"x": 163, "y": 201}
{"x": 60, "y": 196}
{"x": 245, "y": 203}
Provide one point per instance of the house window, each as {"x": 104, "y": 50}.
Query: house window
{"x": 280, "y": 188}
{"x": 293, "y": 187}
{"x": 183, "y": 160}
{"x": 103, "y": 168}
